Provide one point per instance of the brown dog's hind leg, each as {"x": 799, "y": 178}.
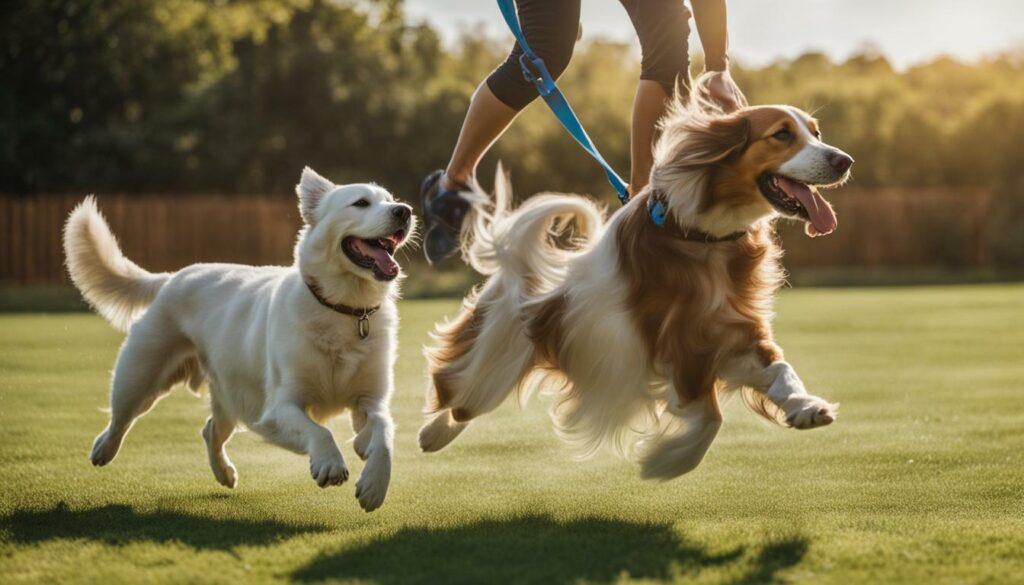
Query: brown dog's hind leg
{"x": 439, "y": 431}
{"x": 454, "y": 341}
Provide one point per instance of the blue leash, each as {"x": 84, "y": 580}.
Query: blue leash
{"x": 537, "y": 73}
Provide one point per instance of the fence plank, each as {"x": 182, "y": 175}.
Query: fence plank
{"x": 884, "y": 228}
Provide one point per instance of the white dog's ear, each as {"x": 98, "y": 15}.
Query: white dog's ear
{"x": 311, "y": 190}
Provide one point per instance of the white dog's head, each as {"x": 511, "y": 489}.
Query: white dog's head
{"x": 350, "y": 229}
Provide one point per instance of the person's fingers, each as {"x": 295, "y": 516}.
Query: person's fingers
{"x": 728, "y": 102}
{"x": 737, "y": 101}
{"x": 721, "y": 94}
{"x": 729, "y": 96}
{"x": 741, "y": 100}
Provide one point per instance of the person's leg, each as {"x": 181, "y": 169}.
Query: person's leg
{"x": 663, "y": 29}
{"x": 551, "y": 28}
{"x": 486, "y": 120}
{"x": 649, "y": 105}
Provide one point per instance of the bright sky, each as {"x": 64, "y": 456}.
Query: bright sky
{"x": 762, "y": 31}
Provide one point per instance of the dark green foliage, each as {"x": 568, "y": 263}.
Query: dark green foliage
{"x": 236, "y": 96}
{"x": 154, "y": 95}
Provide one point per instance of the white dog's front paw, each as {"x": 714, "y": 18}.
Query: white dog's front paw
{"x": 105, "y": 448}
{"x": 808, "y": 412}
{"x": 328, "y": 469}
{"x": 372, "y": 486}
{"x": 225, "y": 474}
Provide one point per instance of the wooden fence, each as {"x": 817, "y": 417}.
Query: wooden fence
{"x": 878, "y": 229}
{"x": 158, "y": 232}
{"x": 897, "y": 229}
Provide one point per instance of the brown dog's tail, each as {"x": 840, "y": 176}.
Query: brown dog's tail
{"x": 532, "y": 244}
{"x": 114, "y": 285}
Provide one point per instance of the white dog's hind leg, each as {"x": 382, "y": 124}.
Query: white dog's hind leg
{"x": 439, "y": 431}
{"x": 361, "y": 442}
{"x": 286, "y": 425}
{"x": 372, "y": 486}
{"x": 148, "y": 358}
{"x": 217, "y": 433}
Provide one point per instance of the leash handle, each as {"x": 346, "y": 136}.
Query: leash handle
{"x": 536, "y": 72}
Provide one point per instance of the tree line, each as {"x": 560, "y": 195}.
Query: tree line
{"x": 236, "y": 97}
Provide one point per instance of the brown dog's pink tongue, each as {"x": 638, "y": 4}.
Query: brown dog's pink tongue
{"x": 823, "y": 219}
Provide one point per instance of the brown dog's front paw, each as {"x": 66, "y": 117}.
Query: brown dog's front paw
{"x": 810, "y": 412}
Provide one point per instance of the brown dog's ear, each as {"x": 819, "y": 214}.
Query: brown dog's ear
{"x": 311, "y": 190}
{"x": 699, "y": 141}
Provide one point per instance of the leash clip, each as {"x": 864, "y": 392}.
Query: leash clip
{"x": 536, "y": 72}
{"x": 657, "y": 209}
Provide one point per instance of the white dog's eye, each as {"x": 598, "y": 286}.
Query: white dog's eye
{"x": 361, "y": 203}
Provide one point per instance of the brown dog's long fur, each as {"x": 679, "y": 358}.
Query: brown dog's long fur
{"x": 638, "y": 329}
{"x": 715, "y": 302}
{"x": 453, "y": 340}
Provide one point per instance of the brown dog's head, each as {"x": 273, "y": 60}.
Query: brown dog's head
{"x": 722, "y": 173}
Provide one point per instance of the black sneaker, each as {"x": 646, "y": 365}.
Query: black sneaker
{"x": 443, "y": 213}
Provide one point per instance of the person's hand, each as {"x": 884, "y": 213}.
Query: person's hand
{"x": 725, "y": 92}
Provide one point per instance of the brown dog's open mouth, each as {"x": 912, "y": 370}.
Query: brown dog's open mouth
{"x": 375, "y": 254}
{"x": 799, "y": 200}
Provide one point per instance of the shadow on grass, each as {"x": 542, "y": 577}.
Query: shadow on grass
{"x": 541, "y": 550}
{"x": 119, "y": 524}
{"x": 773, "y": 557}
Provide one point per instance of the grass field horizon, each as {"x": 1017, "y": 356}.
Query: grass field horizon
{"x": 920, "y": 479}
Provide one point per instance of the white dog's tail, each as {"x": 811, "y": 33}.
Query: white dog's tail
{"x": 114, "y": 285}
{"x": 522, "y": 243}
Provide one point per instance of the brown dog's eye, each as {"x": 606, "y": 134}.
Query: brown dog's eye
{"x": 783, "y": 135}
{"x": 361, "y": 203}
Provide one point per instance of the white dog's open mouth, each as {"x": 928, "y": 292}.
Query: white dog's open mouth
{"x": 799, "y": 200}
{"x": 375, "y": 254}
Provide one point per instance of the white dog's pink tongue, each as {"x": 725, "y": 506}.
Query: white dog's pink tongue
{"x": 823, "y": 219}
{"x": 384, "y": 262}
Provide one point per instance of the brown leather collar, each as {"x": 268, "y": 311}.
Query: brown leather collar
{"x": 363, "y": 325}
{"x": 696, "y": 235}
{"x": 692, "y": 234}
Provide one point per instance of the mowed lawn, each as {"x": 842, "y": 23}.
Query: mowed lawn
{"x": 920, "y": 480}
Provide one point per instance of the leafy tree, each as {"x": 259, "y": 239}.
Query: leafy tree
{"x": 235, "y": 96}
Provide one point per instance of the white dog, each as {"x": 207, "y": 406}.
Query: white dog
{"x": 283, "y": 348}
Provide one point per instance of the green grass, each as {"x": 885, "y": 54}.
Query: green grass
{"x": 920, "y": 480}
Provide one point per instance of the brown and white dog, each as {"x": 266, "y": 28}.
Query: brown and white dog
{"x": 636, "y": 328}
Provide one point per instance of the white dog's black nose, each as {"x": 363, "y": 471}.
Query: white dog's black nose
{"x": 840, "y": 161}
{"x": 402, "y": 212}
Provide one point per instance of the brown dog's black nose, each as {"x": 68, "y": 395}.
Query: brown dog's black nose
{"x": 402, "y": 212}
{"x": 840, "y": 161}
